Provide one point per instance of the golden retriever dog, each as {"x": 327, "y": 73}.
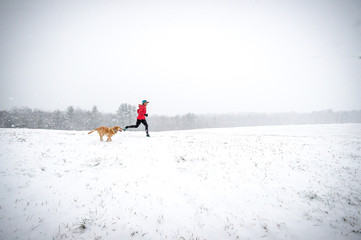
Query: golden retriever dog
{"x": 109, "y": 132}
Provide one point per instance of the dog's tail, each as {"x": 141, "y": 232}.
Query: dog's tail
{"x": 92, "y": 131}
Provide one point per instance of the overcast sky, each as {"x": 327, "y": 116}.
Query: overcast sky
{"x": 183, "y": 56}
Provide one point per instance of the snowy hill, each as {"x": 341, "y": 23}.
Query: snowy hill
{"x": 280, "y": 182}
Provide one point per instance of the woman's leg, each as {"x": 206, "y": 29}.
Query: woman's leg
{"x": 146, "y": 125}
{"x": 136, "y": 125}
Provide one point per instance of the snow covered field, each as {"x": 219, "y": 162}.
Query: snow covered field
{"x": 278, "y": 182}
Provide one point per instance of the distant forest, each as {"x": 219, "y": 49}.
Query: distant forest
{"x": 79, "y": 119}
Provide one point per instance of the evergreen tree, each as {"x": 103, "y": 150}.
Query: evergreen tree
{"x": 58, "y": 120}
{"x": 189, "y": 121}
{"x": 95, "y": 118}
{"x": 69, "y": 118}
{"x": 126, "y": 114}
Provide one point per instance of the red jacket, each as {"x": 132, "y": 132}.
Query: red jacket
{"x": 141, "y": 111}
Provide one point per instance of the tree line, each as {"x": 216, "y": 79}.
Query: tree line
{"x": 79, "y": 119}
{"x": 70, "y": 119}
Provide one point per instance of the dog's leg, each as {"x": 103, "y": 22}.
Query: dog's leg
{"x": 101, "y": 137}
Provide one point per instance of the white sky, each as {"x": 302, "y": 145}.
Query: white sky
{"x": 183, "y": 56}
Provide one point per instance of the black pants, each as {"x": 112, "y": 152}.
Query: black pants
{"x": 139, "y": 121}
